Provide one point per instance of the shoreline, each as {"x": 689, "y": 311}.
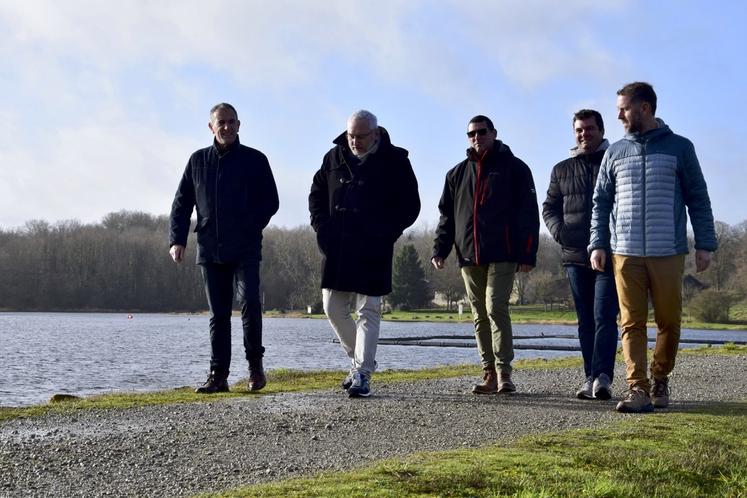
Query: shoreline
{"x": 518, "y": 316}
{"x": 167, "y": 450}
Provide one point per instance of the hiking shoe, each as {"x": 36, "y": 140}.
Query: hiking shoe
{"x": 636, "y": 400}
{"x": 257, "y": 378}
{"x": 602, "y": 388}
{"x": 660, "y": 393}
{"x": 506, "y": 386}
{"x": 489, "y": 383}
{"x": 586, "y": 391}
{"x": 359, "y": 387}
{"x": 217, "y": 382}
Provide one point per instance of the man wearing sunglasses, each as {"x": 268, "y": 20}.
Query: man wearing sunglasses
{"x": 489, "y": 214}
{"x": 362, "y": 198}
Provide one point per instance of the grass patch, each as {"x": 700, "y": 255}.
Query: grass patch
{"x": 529, "y": 314}
{"x": 700, "y": 453}
{"x": 279, "y": 380}
{"x": 287, "y": 380}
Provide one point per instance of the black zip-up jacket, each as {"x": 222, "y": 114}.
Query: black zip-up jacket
{"x": 489, "y": 210}
{"x": 235, "y": 195}
{"x": 567, "y": 208}
{"x": 358, "y": 210}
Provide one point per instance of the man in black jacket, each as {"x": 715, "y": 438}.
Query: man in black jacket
{"x": 234, "y": 191}
{"x": 362, "y": 198}
{"x": 489, "y": 214}
{"x": 567, "y": 214}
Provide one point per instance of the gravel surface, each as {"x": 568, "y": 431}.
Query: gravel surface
{"x": 186, "y": 449}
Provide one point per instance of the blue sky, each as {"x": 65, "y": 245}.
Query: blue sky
{"x": 101, "y": 103}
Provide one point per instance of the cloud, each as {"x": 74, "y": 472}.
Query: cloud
{"x": 533, "y": 42}
{"x": 88, "y": 171}
{"x": 101, "y": 103}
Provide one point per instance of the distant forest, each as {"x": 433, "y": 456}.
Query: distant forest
{"x": 122, "y": 264}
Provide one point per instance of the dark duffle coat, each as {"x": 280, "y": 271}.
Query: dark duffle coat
{"x": 358, "y": 210}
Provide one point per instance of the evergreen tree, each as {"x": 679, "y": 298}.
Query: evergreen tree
{"x": 410, "y": 290}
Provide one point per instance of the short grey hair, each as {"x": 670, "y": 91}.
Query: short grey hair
{"x": 365, "y": 115}
{"x": 223, "y": 105}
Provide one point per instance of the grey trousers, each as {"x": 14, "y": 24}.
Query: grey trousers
{"x": 488, "y": 290}
{"x": 359, "y": 338}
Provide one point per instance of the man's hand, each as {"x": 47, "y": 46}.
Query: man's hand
{"x": 177, "y": 253}
{"x": 437, "y": 262}
{"x": 702, "y": 260}
{"x": 524, "y": 268}
{"x": 598, "y": 259}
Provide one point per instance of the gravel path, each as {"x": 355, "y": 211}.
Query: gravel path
{"x": 185, "y": 449}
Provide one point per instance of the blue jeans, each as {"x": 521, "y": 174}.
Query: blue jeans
{"x": 219, "y": 287}
{"x": 595, "y": 298}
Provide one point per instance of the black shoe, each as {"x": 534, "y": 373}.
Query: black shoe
{"x": 660, "y": 393}
{"x": 257, "y": 377}
{"x": 217, "y": 382}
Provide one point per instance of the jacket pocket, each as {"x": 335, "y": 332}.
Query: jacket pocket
{"x": 201, "y": 224}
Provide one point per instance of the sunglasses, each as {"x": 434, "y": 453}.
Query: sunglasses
{"x": 481, "y": 132}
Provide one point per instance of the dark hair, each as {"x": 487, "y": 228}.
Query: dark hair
{"x": 223, "y": 105}
{"x": 640, "y": 91}
{"x": 482, "y": 119}
{"x": 589, "y": 113}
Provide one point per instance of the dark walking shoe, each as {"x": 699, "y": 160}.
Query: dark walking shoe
{"x": 660, "y": 393}
{"x": 507, "y": 386}
{"x": 257, "y": 377}
{"x": 636, "y": 400}
{"x": 217, "y": 382}
{"x": 586, "y": 391}
{"x": 603, "y": 387}
{"x": 489, "y": 383}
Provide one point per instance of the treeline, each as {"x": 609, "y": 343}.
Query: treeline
{"x": 122, "y": 264}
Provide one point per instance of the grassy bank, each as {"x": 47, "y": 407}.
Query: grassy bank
{"x": 528, "y": 314}
{"x": 279, "y": 381}
{"x": 698, "y": 453}
{"x": 286, "y": 380}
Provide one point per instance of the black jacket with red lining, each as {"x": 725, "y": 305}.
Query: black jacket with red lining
{"x": 501, "y": 222}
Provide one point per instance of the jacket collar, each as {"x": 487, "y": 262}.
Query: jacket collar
{"x": 602, "y": 146}
{"x": 498, "y": 148}
{"x": 231, "y": 147}
{"x": 655, "y": 134}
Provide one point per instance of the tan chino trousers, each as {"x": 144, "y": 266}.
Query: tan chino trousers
{"x": 635, "y": 277}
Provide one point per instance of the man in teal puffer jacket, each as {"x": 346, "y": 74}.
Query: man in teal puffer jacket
{"x": 645, "y": 183}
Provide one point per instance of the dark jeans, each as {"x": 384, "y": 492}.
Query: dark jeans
{"x": 219, "y": 286}
{"x": 595, "y": 297}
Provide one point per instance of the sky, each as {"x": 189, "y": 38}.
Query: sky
{"x": 101, "y": 103}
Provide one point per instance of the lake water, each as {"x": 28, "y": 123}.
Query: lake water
{"x": 89, "y": 353}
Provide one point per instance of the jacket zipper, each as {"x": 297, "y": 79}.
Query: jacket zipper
{"x": 643, "y": 204}
{"x": 217, "y": 232}
{"x": 475, "y": 202}
{"x": 589, "y": 188}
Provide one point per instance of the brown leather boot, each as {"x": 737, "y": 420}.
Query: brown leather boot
{"x": 217, "y": 382}
{"x": 257, "y": 378}
{"x": 507, "y": 386}
{"x": 489, "y": 382}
